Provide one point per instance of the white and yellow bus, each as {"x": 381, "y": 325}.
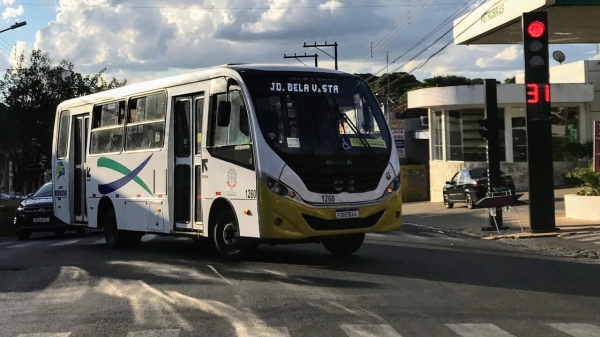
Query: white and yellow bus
{"x": 238, "y": 154}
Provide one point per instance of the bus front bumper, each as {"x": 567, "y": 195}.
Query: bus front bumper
{"x": 283, "y": 218}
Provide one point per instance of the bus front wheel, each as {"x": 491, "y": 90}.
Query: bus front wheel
{"x": 226, "y": 238}
{"x": 344, "y": 245}
{"x": 116, "y": 238}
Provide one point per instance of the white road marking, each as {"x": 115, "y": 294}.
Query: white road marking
{"x": 58, "y": 334}
{"x": 577, "y": 329}
{"x": 478, "y": 330}
{"x": 148, "y": 237}
{"x": 64, "y": 243}
{"x": 6, "y": 243}
{"x": 277, "y": 331}
{"x": 23, "y": 245}
{"x": 99, "y": 242}
{"x": 219, "y": 274}
{"x": 369, "y": 330}
{"x": 593, "y": 238}
{"x": 580, "y": 236}
{"x": 376, "y": 235}
{"x": 155, "y": 333}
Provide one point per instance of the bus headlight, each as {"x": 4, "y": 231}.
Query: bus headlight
{"x": 393, "y": 186}
{"x": 276, "y": 186}
{"x": 280, "y": 189}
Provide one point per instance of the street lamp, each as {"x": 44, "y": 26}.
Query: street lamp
{"x": 15, "y": 26}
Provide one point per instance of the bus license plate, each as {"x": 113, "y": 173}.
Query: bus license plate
{"x": 346, "y": 214}
{"x": 37, "y": 220}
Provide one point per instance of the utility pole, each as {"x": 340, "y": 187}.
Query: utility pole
{"x": 297, "y": 57}
{"x": 335, "y": 45}
{"x": 387, "y": 101}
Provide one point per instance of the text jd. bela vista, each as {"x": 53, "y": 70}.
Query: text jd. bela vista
{"x": 299, "y": 87}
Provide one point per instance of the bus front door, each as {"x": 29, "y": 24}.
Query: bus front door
{"x": 188, "y": 163}
{"x": 80, "y": 136}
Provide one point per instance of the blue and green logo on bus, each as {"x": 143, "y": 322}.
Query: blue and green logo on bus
{"x": 128, "y": 175}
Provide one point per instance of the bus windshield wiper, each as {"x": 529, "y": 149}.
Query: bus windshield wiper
{"x": 342, "y": 115}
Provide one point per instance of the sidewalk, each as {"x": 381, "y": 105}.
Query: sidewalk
{"x": 466, "y": 221}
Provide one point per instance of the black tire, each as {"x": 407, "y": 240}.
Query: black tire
{"x": 60, "y": 232}
{"x": 344, "y": 245}
{"x": 82, "y": 231}
{"x": 116, "y": 238}
{"x": 23, "y": 234}
{"x": 226, "y": 240}
{"x": 447, "y": 202}
{"x": 470, "y": 202}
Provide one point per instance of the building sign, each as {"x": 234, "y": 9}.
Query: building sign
{"x": 397, "y": 127}
{"x": 596, "y": 146}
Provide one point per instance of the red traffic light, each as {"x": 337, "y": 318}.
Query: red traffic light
{"x": 536, "y": 29}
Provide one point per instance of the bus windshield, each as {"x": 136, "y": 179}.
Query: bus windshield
{"x": 311, "y": 115}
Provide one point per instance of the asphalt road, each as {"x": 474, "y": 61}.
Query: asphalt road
{"x": 408, "y": 283}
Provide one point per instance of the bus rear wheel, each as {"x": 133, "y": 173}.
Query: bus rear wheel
{"x": 344, "y": 245}
{"x": 226, "y": 238}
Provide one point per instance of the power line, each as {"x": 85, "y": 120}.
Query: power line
{"x": 237, "y": 8}
{"x": 379, "y": 45}
{"x": 444, "y": 47}
{"x": 448, "y": 19}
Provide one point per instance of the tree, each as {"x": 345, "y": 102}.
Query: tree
{"x": 511, "y": 80}
{"x": 31, "y": 92}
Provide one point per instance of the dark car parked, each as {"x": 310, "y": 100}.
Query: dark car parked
{"x": 469, "y": 186}
{"x": 36, "y": 214}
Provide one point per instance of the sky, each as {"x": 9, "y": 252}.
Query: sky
{"x": 145, "y": 39}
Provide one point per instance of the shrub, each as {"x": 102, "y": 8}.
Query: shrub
{"x": 590, "y": 180}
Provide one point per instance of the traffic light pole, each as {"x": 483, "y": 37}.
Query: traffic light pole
{"x": 493, "y": 148}
{"x": 539, "y": 128}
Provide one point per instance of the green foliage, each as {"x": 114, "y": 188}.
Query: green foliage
{"x": 511, "y": 80}
{"x": 590, "y": 180}
{"x": 576, "y": 151}
{"x": 31, "y": 92}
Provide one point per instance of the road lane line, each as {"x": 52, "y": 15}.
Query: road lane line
{"x": 219, "y": 274}
{"x": 148, "y": 237}
{"x": 580, "y": 236}
{"x": 577, "y": 329}
{"x": 64, "y": 243}
{"x": 99, "y": 242}
{"x": 155, "y": 333}
{"x": 58, "y": 334}
{"x": 269, "y": 331}
{"x": 369, "y": 330}
{"x": 23, "y": 245}
{"x": 592, "y": 238}
{"x": 478, "y": 330}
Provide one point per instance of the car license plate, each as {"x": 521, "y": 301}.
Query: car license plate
{"x": 346, "y": 214}
{"x": 37, "y": 220}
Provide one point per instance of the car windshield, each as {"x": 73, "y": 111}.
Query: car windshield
{"x": 44, "y": 192}
{"x": 317, "y": 115}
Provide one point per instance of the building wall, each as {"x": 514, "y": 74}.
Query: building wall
{"x": 441, "y": 171}
{"x": 417, "y": 150}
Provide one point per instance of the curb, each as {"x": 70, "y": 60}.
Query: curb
{"x": 520, "y": 235}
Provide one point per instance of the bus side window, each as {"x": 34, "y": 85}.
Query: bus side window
{"x": 233, "y": 141}
{"x": 107, "y": 128}
{"x": 145, "y": 122}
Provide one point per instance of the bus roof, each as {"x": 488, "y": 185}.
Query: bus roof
{"x": 188, "y": 77}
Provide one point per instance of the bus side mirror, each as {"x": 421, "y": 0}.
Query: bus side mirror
{"x": 223, "y": 113}
{"x": 244, "y": 123}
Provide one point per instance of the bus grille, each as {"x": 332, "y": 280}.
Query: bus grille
{"x": 319, "y": 224}
{"x": 337, "y": 183}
